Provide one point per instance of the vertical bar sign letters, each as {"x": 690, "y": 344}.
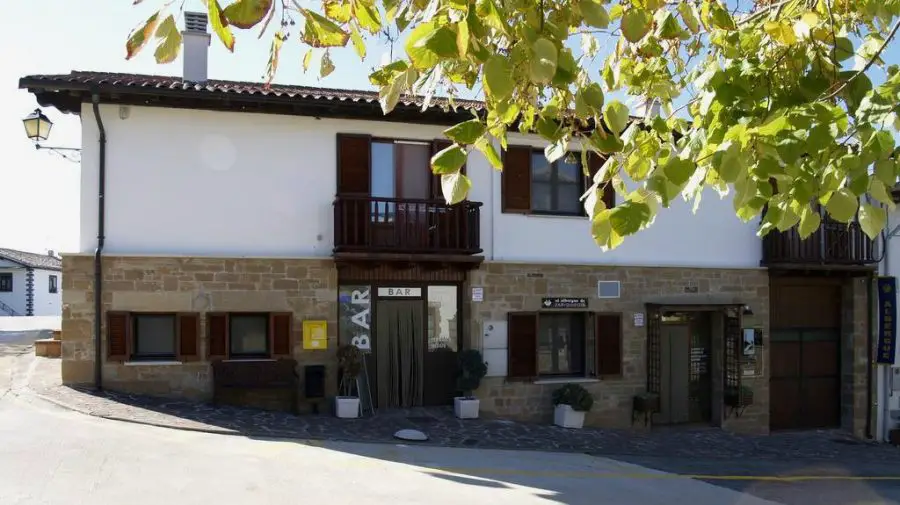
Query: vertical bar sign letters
{"x": 887, "y": 310}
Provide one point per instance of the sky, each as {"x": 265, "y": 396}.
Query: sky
{"x": 39, "y": 190}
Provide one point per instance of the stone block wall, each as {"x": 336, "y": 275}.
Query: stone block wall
{"x": 854, "y": 355}
{"x": 308, "y": 288}
{"x": 520, "y": 287}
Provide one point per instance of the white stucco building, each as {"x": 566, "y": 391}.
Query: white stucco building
{"x": 30, "y": 284}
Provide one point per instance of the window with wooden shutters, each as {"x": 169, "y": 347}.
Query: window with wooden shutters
{"x": 353, "y": 163}
{"x": 522, "y": 345}
{"x": 280, "y": 325}
{"x": 608, "y": 343}
{"x": 217, "y": 336}
{"x": 154, "y": 337}
{"x": 188, "y": 337}
{"x": 516, "y": 180}
{"x": 118, "y": 336}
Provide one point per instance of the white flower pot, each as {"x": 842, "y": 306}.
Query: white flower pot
{"x": 465, "y": 408}
{"x": 346, "y": 407}
{"x": 564, "y": 416}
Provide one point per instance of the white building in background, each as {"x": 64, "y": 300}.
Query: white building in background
{"x": 30, "y": 283}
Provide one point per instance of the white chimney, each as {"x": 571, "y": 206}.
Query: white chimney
{"x": 196, "y": 47}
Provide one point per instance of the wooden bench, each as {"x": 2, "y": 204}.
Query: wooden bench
{"x": 256, "y": 374}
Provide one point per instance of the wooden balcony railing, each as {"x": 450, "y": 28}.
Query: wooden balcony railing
{"x": 833, "y": 243}
{"x": 402, "y": 225}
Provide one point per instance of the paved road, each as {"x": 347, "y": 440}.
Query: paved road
{"x": 53, "y": 456}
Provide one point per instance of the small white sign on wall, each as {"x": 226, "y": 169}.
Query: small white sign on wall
{"x": 638, "y": 319}
{"x": 477, "y": 294}
{"x": 399, "y": 292}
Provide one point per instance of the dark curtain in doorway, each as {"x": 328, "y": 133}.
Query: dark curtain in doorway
{"x": 400, "y": 353}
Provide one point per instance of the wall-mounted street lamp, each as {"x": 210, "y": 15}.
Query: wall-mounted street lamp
{"x": 37, "y": 128}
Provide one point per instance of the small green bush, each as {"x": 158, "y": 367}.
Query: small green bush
{"x": 575, "y": 396}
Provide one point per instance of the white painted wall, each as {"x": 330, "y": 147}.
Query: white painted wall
{"x": 15, "y": 299}
{"x": 45, "y": 302}
{"x": 213, "y": 183}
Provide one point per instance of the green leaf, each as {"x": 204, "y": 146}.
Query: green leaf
{"x": 487, "y": 149}
{"x": 358, "y": 44}
{"x": 668, "y": 27}
{"x": 326, "y": 67}
{"x": 679, "y": 170}
{"x": 885, "y": 171}
{"x": 842, "y": 205}
{"x": 881, "y": 193}
{"x": 881, "y": 145}
{"x": 498, "y": 83}
{"x": 607, "y": 142}
{"x": 629, "y": 217}
{"x": 556, "y": 150}
{"x": 467, "y": 132}
{"x": 594, "y": 14}
{"x": 247, "y": 13}
{"x": 307, "y": 59}
{"x": 429, "y": 43}
{"x": 635, "y": 24}
{"x": 689, "y": 16}
{"x": 274, "y": 54}
{"x": 322, "y": 32}
{"x": 616, "y": 115}
{"x": 462, "y": 38}
{"x": 773, "y": 126}
{"x": 721, "y": 18}
{"x": 367, "y": 15}
{"x": 337, "y": 11}
{"x": 455, "y": 187}
{"x": 220, "y": 24}
{"x": 809, "y": 222}
{"x": 389, "y": 95}
{"x": 781, "y": 31}
{"x": 843, "y": 49}
{"x": 543, "y": 63}
{"x": 448, "y": 160}
{"x": 872, "y": 220}
{"x": 140, "y": 35}
{"x": 169, "y": 41}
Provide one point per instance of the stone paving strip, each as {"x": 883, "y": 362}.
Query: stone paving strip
{"x": 445, "y": 430}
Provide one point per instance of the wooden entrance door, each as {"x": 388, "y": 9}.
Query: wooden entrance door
{"x": 805, "y": 380}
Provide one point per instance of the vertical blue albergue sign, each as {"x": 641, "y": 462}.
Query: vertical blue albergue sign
{"x": 887, "y": 310}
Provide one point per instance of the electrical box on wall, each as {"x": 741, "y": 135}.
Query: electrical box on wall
{"x": 895, "y": 378}
{"x": 494, "y": 336}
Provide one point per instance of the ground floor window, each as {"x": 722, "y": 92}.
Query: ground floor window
{"x": 564, "y": 344}
{"x": 6, "y": 282}
{"x": 253, "y": 335}
{"x": 142, "y": 336}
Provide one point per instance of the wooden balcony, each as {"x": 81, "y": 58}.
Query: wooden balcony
{"x": 365, "y": 224}
{"x": 833, "y": 245}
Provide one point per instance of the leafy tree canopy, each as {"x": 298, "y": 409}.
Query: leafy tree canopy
{"x": 784, "y": 105}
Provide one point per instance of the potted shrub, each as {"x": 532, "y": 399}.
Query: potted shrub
{"x": 571, "y": 402}
{"x": 735, "y": 400}
{"x": 471, "y": 368}
{"x": 350, "y": 362}
{"x": 646, "y": 403}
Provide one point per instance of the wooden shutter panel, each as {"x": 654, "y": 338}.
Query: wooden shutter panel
{"x": 280, "y": 334}
{"x": 516, "y": 180}
{"x": 609, "y": 193}
{"x": 217, "y": 333}
{"x": 188, "y": 337}
{"x": 522, "y": 345}
{"x": 609, "y": 344}
{"x": 118, "y": 336}
{"x": 354, "y": 159}
{"x": 436, "y": 146}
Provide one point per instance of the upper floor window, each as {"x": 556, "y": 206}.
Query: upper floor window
{"x": 6, "y": 282}
{"x": 533, "y": 185}
{"x": 54, "y": 284}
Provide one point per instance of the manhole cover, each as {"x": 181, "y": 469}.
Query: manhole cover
{"x": 412, "y": 435}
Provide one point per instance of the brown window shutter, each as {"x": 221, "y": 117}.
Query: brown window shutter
{"x": 522, "y": 345}
{"x": 217, "y": 333}
{"x": 118, "y": 336}
{"x": 609, "y": 344}
{"x": 354, "y": 159}
{"x": 280, "y": 334}
{"x": 516, "y": 180}
{"x": 596, "y": 162}
{"x": 436, "y": 146}
{"x": 188, "y": 337}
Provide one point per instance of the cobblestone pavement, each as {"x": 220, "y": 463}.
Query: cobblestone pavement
{"x": 444, "y": 429}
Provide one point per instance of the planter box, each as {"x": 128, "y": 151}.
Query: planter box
{"x": 732, "y": 400}
{"x": 646, "y": 403}
{"x": 346, "y": 407}
{"x": 564, "y": 416}
{"x": 466, "y": 408}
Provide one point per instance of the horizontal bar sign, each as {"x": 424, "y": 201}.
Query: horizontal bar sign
{"x": 564, "y": 303}
{"x": 400, "y": 292}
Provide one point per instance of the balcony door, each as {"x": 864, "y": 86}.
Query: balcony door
{"x": 401, "y": 182}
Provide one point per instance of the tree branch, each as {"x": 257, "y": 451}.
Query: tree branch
{"x": 869, "y": 64}
{"x": 762, "y": 11}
